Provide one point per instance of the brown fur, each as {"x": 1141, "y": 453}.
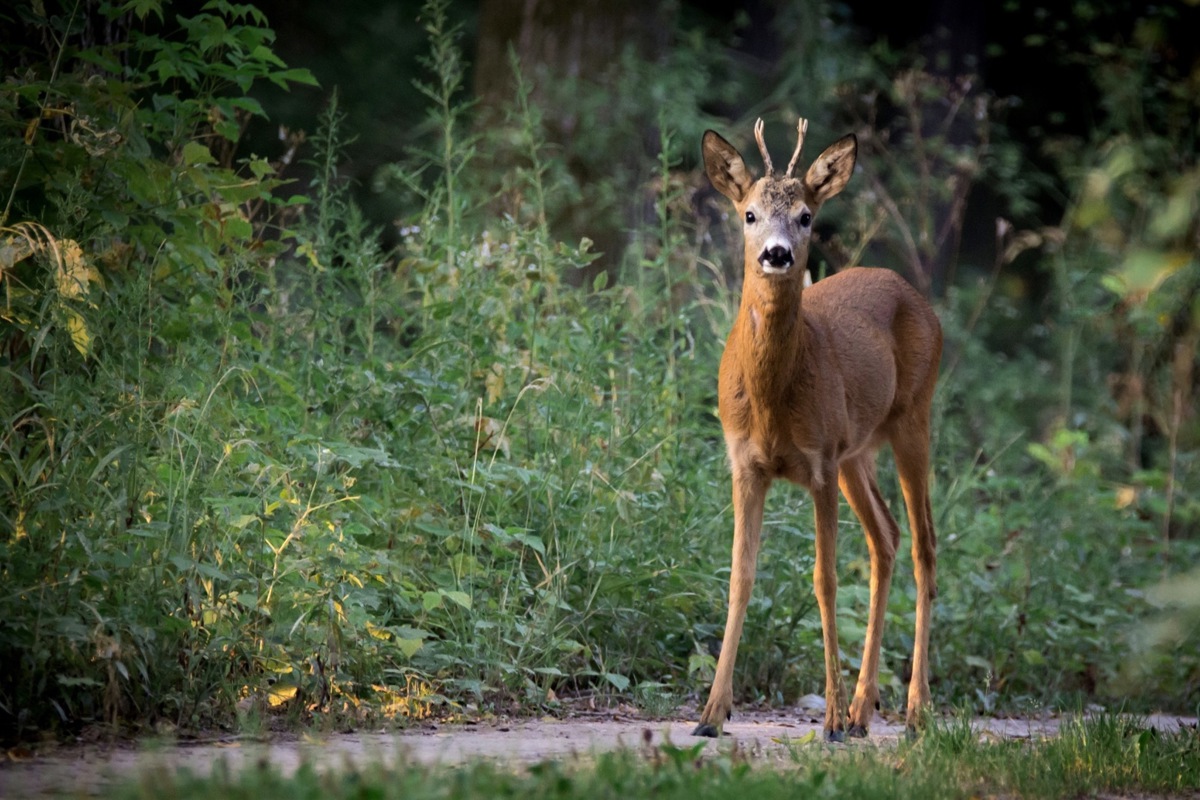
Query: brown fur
{"x": 813, "y": 381}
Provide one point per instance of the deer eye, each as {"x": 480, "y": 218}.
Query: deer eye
{"x": 805, "y": 219}
{"x": 750, "y": 218}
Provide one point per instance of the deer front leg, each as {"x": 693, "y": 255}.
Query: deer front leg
{"x": 749, "y": 491}
{"x": 825, "y": 501}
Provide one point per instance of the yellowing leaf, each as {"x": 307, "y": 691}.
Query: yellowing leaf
{"x": 74, "y": 276}
{"x": 1126, "y": 496}
{"x": 1144, "y": 270}
{"x": 308, "y": 251}
{"x": 378, "y": 632}
{"x": 279, "y": 694}
{"x": 31, "y": 129}
{"x": 79, "y": 333}
{"x": 494, "y": 383}
{"x": 14, "y": 249}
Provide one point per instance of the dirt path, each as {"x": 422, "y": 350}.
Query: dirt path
{"x": 90, "y": 770}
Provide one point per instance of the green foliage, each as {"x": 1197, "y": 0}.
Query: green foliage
{"x": 129, "y": 236}
{"x": 250, "y": 460}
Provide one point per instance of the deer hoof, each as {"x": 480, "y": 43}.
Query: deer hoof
{"x": 835, "y": 736}
{"x": 857, "y": 732}
{"x": 706, "y": 729}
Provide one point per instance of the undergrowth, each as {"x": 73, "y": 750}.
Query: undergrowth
{"x": 253, "y": 464}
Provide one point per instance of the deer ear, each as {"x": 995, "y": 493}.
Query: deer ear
{"x": 725, "y": 167}
{"x": 829, "y": 174}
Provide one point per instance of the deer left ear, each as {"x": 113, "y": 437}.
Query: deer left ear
{"x": 831, "y": 171}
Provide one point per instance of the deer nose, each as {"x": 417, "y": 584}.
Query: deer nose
{"x": 777, "y": 256}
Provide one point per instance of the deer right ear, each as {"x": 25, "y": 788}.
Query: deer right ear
{"x": 725, "y": 167}
{"x": 832, "y": 170}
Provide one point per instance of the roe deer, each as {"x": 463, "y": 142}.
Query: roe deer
{"x": 813, "y": 381}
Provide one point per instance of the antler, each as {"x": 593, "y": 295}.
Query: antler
{"x": 801, "y": 129}
{"x": 762, "y": 148}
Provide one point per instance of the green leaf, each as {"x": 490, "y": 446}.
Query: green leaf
{"x": 976, "y": 661}
{"x": 265, "y": 55}
{"x": 110, "y": 457}
{"x": 441, "y": 531}
{"x": 409, "y": 632}
{"x": 1034, "y": 658}
{"x": 431, "y": 600}
{"x": 141, "y": 8}
{"x": 620, "y": 682}
{"x": 229, "y": 128}
{"x": 195, "y": 153}
{"x": 302, "y": 76}
{"x": 215, "y": 33}
{"x": 531, "y": 541}
{"x": 409, "y": 647}
{"x": 116, "y": 219}
{"x": 243, "y": 521}
{"x": 462, "y": 598}
{"x": 248, "y": 104}
{"x": 71, "y": 680}
{"x": 238, "y": 228}
{"x": 260, "y": 168}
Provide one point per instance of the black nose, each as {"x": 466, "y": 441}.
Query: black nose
{"x": 777, "y": 256}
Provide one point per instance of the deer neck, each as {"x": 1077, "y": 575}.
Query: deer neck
{"x": 772, "y": 339}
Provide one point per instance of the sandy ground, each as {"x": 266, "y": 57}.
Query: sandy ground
{"x": 90, "y": 770}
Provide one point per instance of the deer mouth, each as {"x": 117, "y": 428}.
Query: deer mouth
{"x": 776, "y": 260}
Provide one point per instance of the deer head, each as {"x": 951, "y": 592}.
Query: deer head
{"x": 778, "y": 213}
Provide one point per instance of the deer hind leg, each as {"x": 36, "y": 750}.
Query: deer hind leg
{"x": 857, "y": 480}
{"x": 825, "y": 503}
{"x": 911, "y": 447}
{"x": 749, "y": 492}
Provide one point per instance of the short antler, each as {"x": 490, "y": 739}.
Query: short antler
{"x": 762, "y": 148}
{"x": 801, "y": 129}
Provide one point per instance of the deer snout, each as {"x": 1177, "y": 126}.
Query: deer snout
{"x": 776, "y": 259}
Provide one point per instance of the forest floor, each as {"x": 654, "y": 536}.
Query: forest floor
{"x": 93, "y": 769}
